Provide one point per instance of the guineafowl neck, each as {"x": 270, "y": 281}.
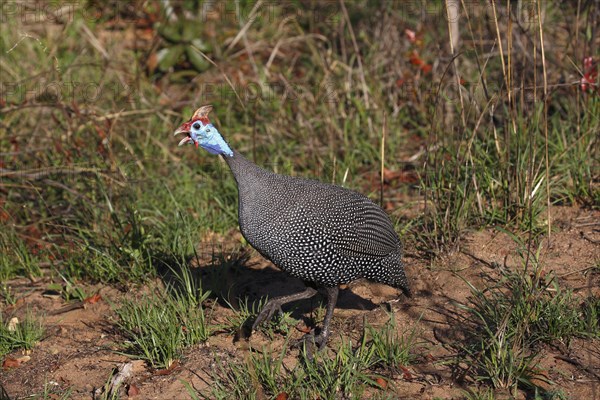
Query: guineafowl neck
{"x": 244, "y": 171}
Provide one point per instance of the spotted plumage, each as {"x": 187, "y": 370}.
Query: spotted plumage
{"x": 324, "y": 234}
{"x": 317, "y": 232}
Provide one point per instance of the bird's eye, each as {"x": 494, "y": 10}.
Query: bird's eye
{"x": 196, "y": 126}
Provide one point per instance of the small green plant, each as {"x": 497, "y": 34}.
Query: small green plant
{"x": 69, "y": 291}
{"x": 232, "y": 380}
{"x": 271, "y": 372}
{"x": 508, "y": 320}
{"x": 347, "y": 373}
{"x": 591, "y": 316}
{"x": 120, "y": 252}
{"x": 480, "y": 394}
{"x": 182, "y": 47}
{"x": 159, "y": 326}
{"x": 392, "y": 349}
{"x": 15, "y": 334}
{"x": 53, "y": 391}
{"x": 7, "y": 294}
{"x": 245, "y": 314}
{"x": 16, "y": 258}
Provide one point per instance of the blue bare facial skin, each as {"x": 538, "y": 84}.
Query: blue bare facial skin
{"x": 209, "y": 139}
{"x": 204, "y": 134}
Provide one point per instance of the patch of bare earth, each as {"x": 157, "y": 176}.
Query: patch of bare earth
{"x": 78, "y": 351}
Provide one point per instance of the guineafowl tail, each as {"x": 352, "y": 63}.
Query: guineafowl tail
{"x": 404, "y": 286}
{"x": 400, "y": 280}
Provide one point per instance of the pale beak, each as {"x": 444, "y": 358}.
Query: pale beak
{"x": 182, "y": 129}
{"x": 186, "y": 140}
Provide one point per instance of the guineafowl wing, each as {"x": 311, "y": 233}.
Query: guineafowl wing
{"x": 367, "y": 231}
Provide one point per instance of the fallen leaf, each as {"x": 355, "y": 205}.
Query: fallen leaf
{"x": 168, "y": 371}
{"x": 10, "y": 363}
{"x": 303, "y": 328}
{"x": 382, "y": 383}
{"x": 93, "y": 299}
{"x": 133, "y": 390}
{"x": 282, "y": 396}
{"x": 23, "y": 359}
{"x": 12, "y": 324}
{"x": 406, "y": 373}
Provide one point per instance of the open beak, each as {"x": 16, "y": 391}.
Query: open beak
{"x": 184, "y": 128}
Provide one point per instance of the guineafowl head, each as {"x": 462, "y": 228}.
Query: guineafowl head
{"x": 201, "y": 132}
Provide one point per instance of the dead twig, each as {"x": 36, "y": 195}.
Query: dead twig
{"x": 124, "y": 372}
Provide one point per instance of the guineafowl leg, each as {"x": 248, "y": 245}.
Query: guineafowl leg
{"x": 321, "y": 338}
{"x": 275, "y": 304}
{"x": 332, "y": 295}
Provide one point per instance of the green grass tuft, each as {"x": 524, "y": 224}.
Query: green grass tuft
{"x": 159, "y": 326}
{"x": 508, "y": 321}
{"x": 23, "y": 335}
{"x": 393, "y": 349}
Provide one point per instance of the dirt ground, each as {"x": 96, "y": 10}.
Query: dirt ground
{"x": 78, "y": 349}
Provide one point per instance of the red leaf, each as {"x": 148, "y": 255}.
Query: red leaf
{"x": 415, "y": 59}
{"x": 406, "y": 373}
{"x": 133, "y": 390}
{"x": 10, "y": 363}
{"x": 168, "y": 371}
{"x": 282, "y": 396}
{"x": 382, "y": 383}
{"x": 93, "y": 299}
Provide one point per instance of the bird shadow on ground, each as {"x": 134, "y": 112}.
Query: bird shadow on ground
{"x": 235, "y": 277}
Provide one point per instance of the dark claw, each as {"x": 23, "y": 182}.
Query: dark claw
{"x": 267, "y": 313}
{"x": 310, "y": 341}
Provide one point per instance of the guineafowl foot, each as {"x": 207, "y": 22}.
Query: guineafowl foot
{"x": 274, "y": 305}
{"x": 310, "y": 342}
{"x": 267, "y": 313}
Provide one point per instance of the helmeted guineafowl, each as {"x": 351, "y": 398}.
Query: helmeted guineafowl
{"x": 324, "y": 234}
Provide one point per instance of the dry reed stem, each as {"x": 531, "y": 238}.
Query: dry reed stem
{"x": 358, "y": 55}
{"x": 541, "y": 30}
{"x": 382, "y": 156}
